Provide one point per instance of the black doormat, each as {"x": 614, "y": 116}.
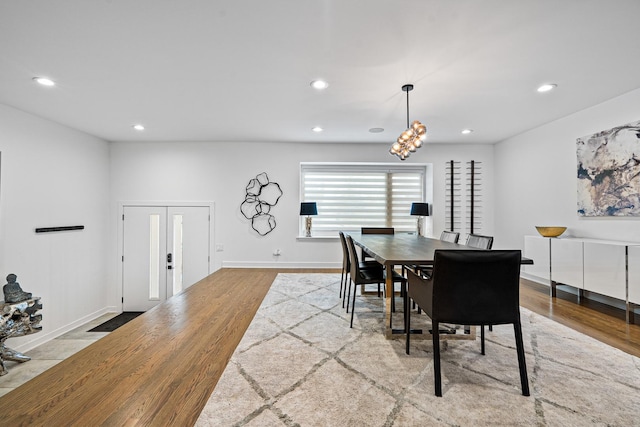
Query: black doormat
{"x": 114, "y": 323}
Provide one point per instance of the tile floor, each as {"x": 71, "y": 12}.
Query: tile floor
{"x": 50, "y": 353}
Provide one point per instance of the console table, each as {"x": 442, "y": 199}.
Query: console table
{"x": 605, "y": 267}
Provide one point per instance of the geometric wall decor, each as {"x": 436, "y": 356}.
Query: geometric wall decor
{"x": 261, "y": 195}
{"x": 609, "y": 172}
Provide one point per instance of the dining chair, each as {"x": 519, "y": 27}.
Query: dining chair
{"x": 346, "y": 267}
{"x": 471, "y": 287}
{"x": 449, "y": 236}
{"x": 375, "y": 230}
{"x": 479, "y": 241}
{"x": 365, "y": 276}
{"x": 445, "y": 236}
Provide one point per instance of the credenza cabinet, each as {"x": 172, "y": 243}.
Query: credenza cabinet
{"x": 609, "y": 268}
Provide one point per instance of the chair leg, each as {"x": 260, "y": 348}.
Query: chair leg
{"x": 524, "y": 380}
{"x": 353, "y": 307}
{"x": 435, "y": 327}
{"x": 491, "y": 327}
{"x": 349, "y": 294}
{"x": 407, "y": 323}
{"x": 341, "y": 282}
{"x": 347, "y": 283}
{"x": 482, "y": 339}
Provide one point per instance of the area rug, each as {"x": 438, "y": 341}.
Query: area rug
{"x": 299, "y": 364}
{"x": 115, "y": 322}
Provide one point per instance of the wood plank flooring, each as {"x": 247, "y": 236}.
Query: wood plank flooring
{"x": 161, "y": 368}
{"x": 157, "y": 370}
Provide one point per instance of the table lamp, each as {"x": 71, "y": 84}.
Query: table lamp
{"x": 308, "y": 209}
{"x": 419, "y": 210}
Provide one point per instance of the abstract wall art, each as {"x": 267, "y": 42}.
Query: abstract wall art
{"x": 261, "y": 195}
{"x": 609, "y": 172}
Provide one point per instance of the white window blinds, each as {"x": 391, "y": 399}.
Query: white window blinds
{"x": 354, "y": 195}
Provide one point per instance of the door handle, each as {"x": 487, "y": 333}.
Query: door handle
{"x": 169, "y": 257}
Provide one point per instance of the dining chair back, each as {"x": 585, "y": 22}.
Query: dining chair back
{"x": 377, "y": 230}
{"x": 479, "y": 241}
{"x": 449, "y": 236}
{"x": 470, "y": 287}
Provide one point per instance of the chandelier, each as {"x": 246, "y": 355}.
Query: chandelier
{"x": 412, "y": 138}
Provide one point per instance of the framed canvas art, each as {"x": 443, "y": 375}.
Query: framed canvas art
{"x": 609, "y": 172}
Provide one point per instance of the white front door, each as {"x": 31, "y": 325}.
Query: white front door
{"x": 165, "y": 250}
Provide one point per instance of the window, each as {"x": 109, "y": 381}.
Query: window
{"x": 354, "y": 195}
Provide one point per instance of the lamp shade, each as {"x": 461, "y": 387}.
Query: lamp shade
{"x": 420, "y": 209}
{"x": 308, "y": 208}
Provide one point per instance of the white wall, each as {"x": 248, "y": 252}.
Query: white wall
{"x": 536, "y": 174}
{"x": 53, "y": 176}
{"x": 219, "y": 172}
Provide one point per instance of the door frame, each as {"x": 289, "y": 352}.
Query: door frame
{"x": 161, "y": 203}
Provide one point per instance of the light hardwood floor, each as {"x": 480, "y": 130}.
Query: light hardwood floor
{"x": 161, "y": 368}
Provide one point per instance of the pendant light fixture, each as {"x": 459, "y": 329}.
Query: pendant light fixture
{"x": 412, "y": 138}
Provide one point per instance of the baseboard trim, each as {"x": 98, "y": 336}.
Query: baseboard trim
{"x": 536, "y": 279}
{"x": 244, "y": 264}
{"x": 43, "y": 337}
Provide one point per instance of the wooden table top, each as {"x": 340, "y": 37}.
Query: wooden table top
{"x": 404, "y": 248}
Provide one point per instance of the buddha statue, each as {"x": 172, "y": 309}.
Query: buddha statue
{"x": 13, "y": 292}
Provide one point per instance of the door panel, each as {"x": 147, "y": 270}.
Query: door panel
{"x": 166, "y": 250}
{"x": 189, "y": 234}
{"x": 144, "y": 268}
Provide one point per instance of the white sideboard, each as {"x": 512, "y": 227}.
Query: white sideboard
{"x": 606, "y": 267}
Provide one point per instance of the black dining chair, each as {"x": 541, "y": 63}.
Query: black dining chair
{"x": 425, "y": 270}
{"x": 375, "y": 230}
{"x": 449, "y": 236}
{"x": 346, "y": 269}
{"x": 365, "y": 276}
{"x": 479, "y": 241}
{"x": 471, "y": 287}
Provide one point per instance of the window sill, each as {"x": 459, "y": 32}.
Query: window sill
{"x": 304, "y": 238}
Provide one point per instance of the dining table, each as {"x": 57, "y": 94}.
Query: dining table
{"x": 392, "y": 250}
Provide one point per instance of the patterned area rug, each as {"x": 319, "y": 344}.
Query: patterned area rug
{"x": 299, "y": 363}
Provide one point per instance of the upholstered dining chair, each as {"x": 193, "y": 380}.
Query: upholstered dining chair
{"x": 470, "y": 287}
{"x": 479, "y": 241}
{"x": 375, "y": 230}
{"x": 445, "y": 236}
{"x": 346, "y": 269}
{"x": 449, "y": 236}
{"x": 365, "y": 276}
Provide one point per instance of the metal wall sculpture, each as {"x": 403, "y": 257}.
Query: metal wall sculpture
{"x": 609, "y": 172}
{"x": 261, "y": 196}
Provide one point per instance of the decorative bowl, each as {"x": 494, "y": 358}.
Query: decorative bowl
{"x": 550, "y": 231}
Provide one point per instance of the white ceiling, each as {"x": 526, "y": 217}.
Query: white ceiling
{"x": 239, "y": 70}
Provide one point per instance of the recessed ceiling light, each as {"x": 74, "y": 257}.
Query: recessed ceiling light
{"x": 319, "y": 84}
{"x": 44, "y": 81}
{"x": 376, "y": 130}
{"x": 138, "y": 127}
{"x": 466, "y": 131}
{"x": 547, "y": 87}
{"x": 317, "y": 129}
